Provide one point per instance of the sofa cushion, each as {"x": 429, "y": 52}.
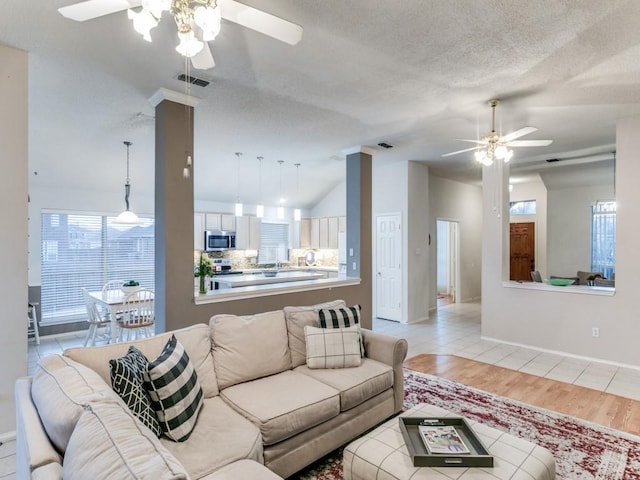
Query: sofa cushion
{"x": 109, "y": 443}
{"x": 249, "y": 347}
{"x": 59, "y": 390}
{"x": 221, "y": 436}
{"x": 244, "y": 469}
{"x": 174, "y": 390}
{"x": 126, "y": 380}
{"x": 333, "y": 347}
{"x": 283, "y": 405}
{"x": 195, "y": 339}
{"x": 340, "y": 318}
{"x": 299, "y": 317}
{"x": 356, "y": 385}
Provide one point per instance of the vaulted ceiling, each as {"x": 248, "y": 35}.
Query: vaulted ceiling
{"x": 415, "y": 74}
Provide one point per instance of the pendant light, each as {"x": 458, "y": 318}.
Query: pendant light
{"x": 127, "y": 217}
{"x": 238, "y": 204}
{"x": 296, "y": 213}
{"x": 280, "y": 212}
{"x": 260, "y": 206}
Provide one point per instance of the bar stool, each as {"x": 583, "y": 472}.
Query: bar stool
{"x": 32, "y": 322}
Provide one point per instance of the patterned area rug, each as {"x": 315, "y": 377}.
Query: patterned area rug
{"x": 583, "y": 450}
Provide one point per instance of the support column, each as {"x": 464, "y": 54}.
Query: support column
{"x": 359, "y": 226}
{"x": 173, "y": 208}
{"x": 13, "y": 239}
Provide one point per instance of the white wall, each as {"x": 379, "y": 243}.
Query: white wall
{"x": 13, "y": 240}
{"x": 451, "y": 200}
{"x": 334, "y": 204}
{"x": 389, "y": 195}
{"x": 569, "y": 235}
{"x": 562, "y": 321}
{"x": 535, "y": 190}
{"x": 418, "y": 231}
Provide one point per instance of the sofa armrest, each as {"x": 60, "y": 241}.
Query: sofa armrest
{"x": 391, "y": 351}
{"x": 33, "y": 448}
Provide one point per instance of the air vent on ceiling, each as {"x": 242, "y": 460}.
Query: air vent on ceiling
{"x": 385, "y": 145}
{"x": 193, "y": 80}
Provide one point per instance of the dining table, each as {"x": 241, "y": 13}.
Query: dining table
{"x": 112, "y": 300}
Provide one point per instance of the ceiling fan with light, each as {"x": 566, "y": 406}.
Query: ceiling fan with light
{"x": 202, "y": 17}
{"x": 495, "y": 146}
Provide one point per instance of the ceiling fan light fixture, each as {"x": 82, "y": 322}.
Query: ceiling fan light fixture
{"x": 209, "y": 19}
{"x": 143, "y": 22}
{"x": 482, "y": 158}
{"x": 156, "y": 7}
{"x": 189, "y": 45}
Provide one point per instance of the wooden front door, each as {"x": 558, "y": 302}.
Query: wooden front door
{"x": 522, "y": 251}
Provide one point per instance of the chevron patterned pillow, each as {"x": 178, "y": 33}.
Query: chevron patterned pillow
{"x": 127, "y": 381}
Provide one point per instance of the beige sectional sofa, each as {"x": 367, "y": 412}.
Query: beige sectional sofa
{"x": 264, "y": 415}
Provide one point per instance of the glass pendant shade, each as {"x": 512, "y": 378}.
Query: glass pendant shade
{"x": 156, "y": 7}
{"x": 297, "y": 215}
{"x": 127, "y": 217}
{"x": 189, "y": 45}
{"x": 260, "y": 210}
{"x": 143, "y": 22}
{"x": 238, "y": 209}
{"x": 280, "y": 213}
{"x": 208, "y": 19}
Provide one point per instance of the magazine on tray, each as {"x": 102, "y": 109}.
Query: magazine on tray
{"x": 442, "y": 439}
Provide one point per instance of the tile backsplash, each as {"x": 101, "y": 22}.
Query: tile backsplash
{"x": 240, "y": 260}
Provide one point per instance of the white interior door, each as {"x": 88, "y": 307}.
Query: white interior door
{"x": 389, "y": 267}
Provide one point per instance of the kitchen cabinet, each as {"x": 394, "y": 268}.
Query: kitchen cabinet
{"x": 314, "y": 233}
{"x": 248, "y": 232}
{"x": 220, "y": 221}
{"x": 342, "y": 224}
{"x": 305, "y": 233}
{"x": 333, "y": 233}
{"x": 324, "y": 233}
{"x": 198, "y": 231}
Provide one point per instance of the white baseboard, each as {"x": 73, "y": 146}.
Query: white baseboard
{"x": 562, "y": 354}
{"x": 8, "y": 436}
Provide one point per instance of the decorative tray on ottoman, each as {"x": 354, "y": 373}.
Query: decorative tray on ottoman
{"x": 466, "y": 448}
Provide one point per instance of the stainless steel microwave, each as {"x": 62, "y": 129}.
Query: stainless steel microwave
{"x": 218, "y": 241}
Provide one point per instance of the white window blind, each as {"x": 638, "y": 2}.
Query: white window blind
{"x": 603, "y": 238}
{"x": 274, "y": 243}
{"x": 80, "y": 250}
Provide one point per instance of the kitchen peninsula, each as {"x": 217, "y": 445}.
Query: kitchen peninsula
{"x": 257, "y": 285}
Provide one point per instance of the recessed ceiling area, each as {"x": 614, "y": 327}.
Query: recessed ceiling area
{"x": 415, "y": 74}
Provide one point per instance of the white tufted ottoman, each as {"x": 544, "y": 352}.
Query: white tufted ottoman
{"x": 381, "y": 454}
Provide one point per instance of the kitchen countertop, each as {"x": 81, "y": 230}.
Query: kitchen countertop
{"x": 235, "y": 281}
{"x": 269, "y": 289}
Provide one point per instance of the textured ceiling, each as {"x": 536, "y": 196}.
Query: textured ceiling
{"x": 413, "y": 73}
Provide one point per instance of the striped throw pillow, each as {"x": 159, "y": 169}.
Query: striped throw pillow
{"x": 333, "y": 347}
{"x": 174, "y": 390}
{"x": 341, "y": 318}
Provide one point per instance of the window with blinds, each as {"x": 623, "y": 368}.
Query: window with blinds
{"x": 603, "y": 238}
{"x": 274, "y": 243}
{"x": 80, "y": 250}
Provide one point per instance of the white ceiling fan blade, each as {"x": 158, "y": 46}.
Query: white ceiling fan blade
{"x": 203, "y": 60}
{"x": 96, "y": 8}
{"x": 518, "y": 133}
{"x": 530, "y": 143}
{"x": 458, "y": 151}
{"x": 481, "y": 142}
{"x": 260, "y": 21}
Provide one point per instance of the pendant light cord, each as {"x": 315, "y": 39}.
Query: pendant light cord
{"x": 127, "y": 186}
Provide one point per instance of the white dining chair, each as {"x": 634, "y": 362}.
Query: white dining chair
{"x": 112, "y": 286}
{"x": 138, "y": 314}
{"x": 96, "y": 320}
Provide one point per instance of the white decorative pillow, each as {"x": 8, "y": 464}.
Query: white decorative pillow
{"x": 333, "y": 347}
{"x": 341, "y": 318}
{"x": 175, "y": 392}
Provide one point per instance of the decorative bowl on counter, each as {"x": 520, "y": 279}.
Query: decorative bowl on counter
{"x": 559, "y": 282}
{"x": 270, "y": 273}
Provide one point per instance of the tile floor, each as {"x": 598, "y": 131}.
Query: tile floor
{"x": 453, "y": 329}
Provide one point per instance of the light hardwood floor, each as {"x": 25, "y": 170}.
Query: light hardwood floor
{"x": 592, "y": 405}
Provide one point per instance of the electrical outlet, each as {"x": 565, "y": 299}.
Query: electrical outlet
{"x": 595, "y": 332}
